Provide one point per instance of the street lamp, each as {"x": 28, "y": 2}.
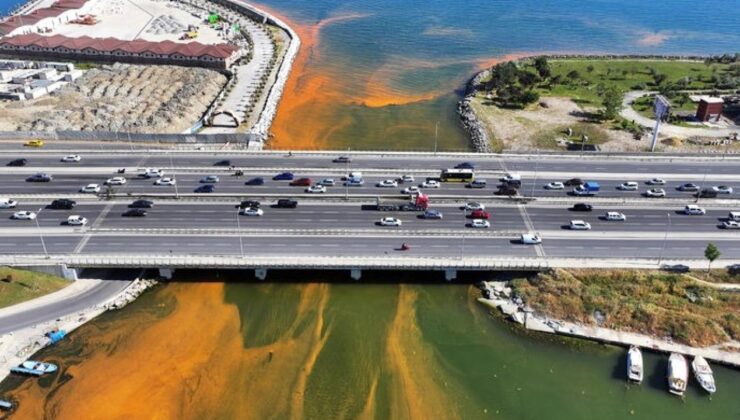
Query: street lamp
{"x": 41, "y": 234}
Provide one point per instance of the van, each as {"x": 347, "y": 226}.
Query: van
{"x": 693, "y": 209}
{"x": 734, "y": 216}
{"x": 6, "y": 203}
{"x": 511, "y": 177}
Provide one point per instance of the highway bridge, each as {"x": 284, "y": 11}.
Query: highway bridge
{"x": 338, "y": 229}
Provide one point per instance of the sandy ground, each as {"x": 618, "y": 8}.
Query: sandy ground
{"x": 153, "y": 99}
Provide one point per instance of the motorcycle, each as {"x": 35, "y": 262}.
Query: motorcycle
{"x": 122, "y": 171}
{"x": 405, "y": 247}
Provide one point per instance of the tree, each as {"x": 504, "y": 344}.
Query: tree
{"x": 612, "y": 103}
{"x": 573, "y": 74}
{"x": 542, "y": 67}
{"x": 659, "y": 78}
{"x": 590, "y": 68}
{"x": 711, "y": 254}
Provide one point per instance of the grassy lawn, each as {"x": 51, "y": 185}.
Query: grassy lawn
{"x": 21, "y": 285}
{"x": 649, "y": 302}
{"x": 548, "y": 139}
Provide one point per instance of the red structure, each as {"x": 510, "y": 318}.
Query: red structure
{"x": 710, "y": 109}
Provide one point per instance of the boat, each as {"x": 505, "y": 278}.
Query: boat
{"x": 32, "y": 367}
{"x": 5, "y": 405}
{"x": 678, "y": 374}
{"x": 634, "y": 364}
{"x": 703, "y": 374}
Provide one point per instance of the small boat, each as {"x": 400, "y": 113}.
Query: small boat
{"x": 634, "y": 364}
{"x": 31, "y": 367}
{"x": 678, "y": 374}
{"x": 703, "y": 374}
{"x": 5, "y": 405}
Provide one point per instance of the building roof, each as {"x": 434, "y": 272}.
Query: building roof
{"x": 55, "y": 9}
{"x": 191, "y": 49}
{"x": 711, "y": 100}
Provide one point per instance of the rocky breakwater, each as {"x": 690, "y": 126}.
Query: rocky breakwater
{"x": 478, "y": 134}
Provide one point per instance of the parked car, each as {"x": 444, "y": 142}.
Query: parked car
{"x": 582, "y": 207}
{"x": 286, "y": 203}
{"x": 284, "y": 176}
{"x": 255, "y": 181}
{"x": 18, "y": 162}
{"x": 134, "y": 213}
{"x": 141, "y": 204}
{"x": 62, "y": 204}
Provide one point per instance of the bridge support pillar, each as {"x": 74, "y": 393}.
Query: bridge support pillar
{"x": 450, "y": 274}
{"x": 260, "y": 273}
{"x": 356, "y": 274}
{"x": 166, "y": 273}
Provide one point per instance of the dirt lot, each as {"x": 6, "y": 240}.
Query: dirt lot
{"x": 153, "y": 99}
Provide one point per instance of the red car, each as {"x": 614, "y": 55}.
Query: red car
{"x": 301, "y": 182}
{"x": 480, "y": 214}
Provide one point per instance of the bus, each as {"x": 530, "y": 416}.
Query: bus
{"x": 457, "y": 175}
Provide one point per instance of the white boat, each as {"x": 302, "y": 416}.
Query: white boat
{"x": 703, "y": 374}
{"x": 678, "y": 374}
{"x": 634, "y": 364}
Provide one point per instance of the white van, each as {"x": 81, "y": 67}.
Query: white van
{"x": 512, "y": 177}
{"x": 734, "y": 216}
{"x": 6, "y": 203}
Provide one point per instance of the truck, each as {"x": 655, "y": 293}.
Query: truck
{"x": 589, "y": 188}
{"x": 418, "y": 203}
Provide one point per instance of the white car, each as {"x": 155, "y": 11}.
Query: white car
{"x": 656, "y": 181}
{"x": 390, "y": 221}
{"x": 251, "y": 211}
{"x": 90, "y": 189}
{"x": 387, "y": 183}
{"x": 316, "y": 189}
{"x": 407, "y": 178}
{"x": 165, "y": 181}
{"x": 210, "y": 179}
{"x": 6, "y": 203}
{"x": 117, "y": 180}
{"x": 730, "y": 224}
{"x": 615, "y": 216}
{"x": 479, "y": 224}
{"x": 153, "y": 173}
{"x": 722, "y": 189}
{"x": 429, "y": 184}
{"x": 582, "y": 191}
{"x": 24, "y": 215}
{"x": 328, "y": 182}
{"x": 579, "y": 225}
{"x": 472, "y": 206}
{"x": 555, "y": 186}
{"x": 530, "y": 239}
{"x": 694, "y": 210}
{"x": 411, "y": 190}
{"x": 76, "y": 220}
{"x": 72, "y": 158}
{"x": 655, "y": 192}
{"x": 628, "y": 186}
{"x": 478, "y": 183}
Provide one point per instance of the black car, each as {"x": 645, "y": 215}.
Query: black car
{"x": 733, "y": 269}
{"x": 705, "y": 193}
{"x": 208, "y": 188}
{"x": 573, "y": 182}
{"x": 255, "y": 181}
{"x": 506, "y": 190}
{"x": 134, "y": 213}
{"x": 249, "y": 204}
{"x": 582, "y": 207}
{"x": 285, "y": 203}
{"x": 40, "y": 177}
{"x": 224, "y": 162}
{"x": 675, "y": 268}
{"x": 18, "y": 162}
{"x": 465, "y": 165}
{"x": 62, "y": 204}
{"x": 342, "y": 159}
{"x": 141, "y": 204}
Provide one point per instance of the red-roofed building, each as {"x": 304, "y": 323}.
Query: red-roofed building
{"x": 44, "y": 19}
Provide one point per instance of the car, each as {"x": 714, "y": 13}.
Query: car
{"x": 153, "y": 173}
{"x": 301, "y": 182}
{"x": 208, "y": 188}
{"x": 429, "y": 183}
{"x": 432, "y": 214}
{"x": 166, "y": 181}
{"x": 40, "y": 177}
{"x": 465, "y": 165}
{"x": 256, "y": 181}
{"x": 90, "y": 189}
{"x": 141, "y": 204}
{"x": 327, "y": 182}
{"x": 249, "y": 203}
{"x": 210, "y": 179}
{"x": 342, "y": 159}
{"x": 76, "y": 220}
{"x": 479, "y": 214}
{"x": 390, "y": 221}
{"x": 284, "y": 176}
{"x": 411, "y": 190}
{"x": 733, "y": 269}
{"x": 694, "y": 210}
{"x": 472, "y": 206}
{"x": 573, "y": 182}
{"x": 555, "y": 186}
{"x": 387, "y": 183}
{"x": 286, "y": 203}
{"x": 251, "y": 211}
{"x": 224, "y": 162}
{"x": 628, "y": 186}
{"x": 24, "y": 215}
{"x": 675, "y": 268}
{"x": 134, "y": 213}
{"x": 656, "y": 181}
{"x": 7, "y": 203}
{"x": 34, "y": 143}
{"x": 407, "y": 178}
{"x": 530, "y": 239}
{"x": 479, "y": 224}
{"x": 316, "y": 189}
{"x": 116, "y": 180}
{"x": 723, "y": 189}
{"x": 477, "y": 183}
{"x": 18, "y": 162}
{"x": 72, "y": 158}
{"x": 688, "y": 187}
{"x": 730, "y": 224}
{"x": 579, "y": 225}
{"x": 582, "y": 191}
{"x": 706, "y": 193}
{"x": 655, "y": 192}
{"x": 62, "y": 204}
{"x": 506, "y": 190}
{"x": 582, "y": 207}
{"x": 615, "y": 216}
{"x": 354, "y": 182}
